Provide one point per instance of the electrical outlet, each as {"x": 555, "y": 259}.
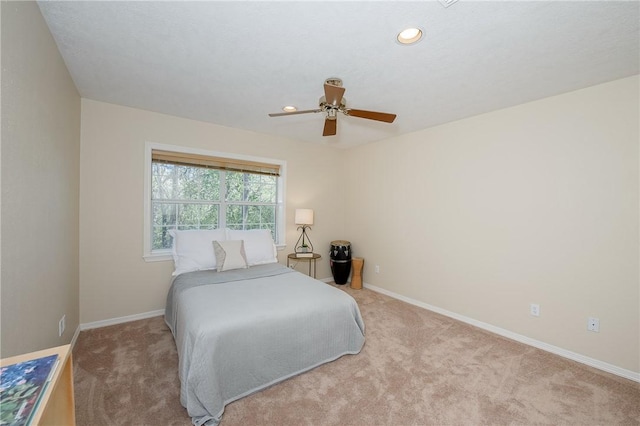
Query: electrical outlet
{"x": 377, "y": 269}
{"x": 535, "y": 309}
{"x": 593, "y": 324}
{"x": 61, "y": 325}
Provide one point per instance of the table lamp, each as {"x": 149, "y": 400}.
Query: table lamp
{"x": 304, "y": 218}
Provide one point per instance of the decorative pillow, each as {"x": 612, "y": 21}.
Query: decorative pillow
{"x": 258, "y": 245}
{"x": 193, "y": 251}
{"x": 230, "y": 255}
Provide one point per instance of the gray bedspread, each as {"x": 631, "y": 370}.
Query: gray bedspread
{"x": 241, "y": 331}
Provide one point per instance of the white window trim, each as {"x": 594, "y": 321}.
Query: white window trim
{"x": 166, "y": 254}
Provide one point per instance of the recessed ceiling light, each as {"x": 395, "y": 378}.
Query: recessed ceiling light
{"x": 410, "y": 36}
{"x": 289, "y": 108}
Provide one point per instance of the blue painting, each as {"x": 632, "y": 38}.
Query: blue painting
{"x": 21, "y": 386}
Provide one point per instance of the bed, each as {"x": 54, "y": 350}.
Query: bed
{"x": 240, "y": 330}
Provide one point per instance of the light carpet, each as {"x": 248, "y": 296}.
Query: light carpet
{"x": 416, "y": 368}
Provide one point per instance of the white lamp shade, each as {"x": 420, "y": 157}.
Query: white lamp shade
{"x": 304, "y": 217}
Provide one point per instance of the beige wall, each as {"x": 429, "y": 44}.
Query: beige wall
{"x": 532, "y": 204}
{"x": 115, "y": 281}
{"x": 40, "y": 188}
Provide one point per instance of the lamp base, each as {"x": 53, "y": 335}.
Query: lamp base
{"x": 304, "y": 243}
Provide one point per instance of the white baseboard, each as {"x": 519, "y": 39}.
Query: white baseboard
{"x": 601, "y": 365}
{"x": 75, "y": 337}
{"x": 120, "y": 320}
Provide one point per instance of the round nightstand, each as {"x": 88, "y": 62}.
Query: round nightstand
{"x": 305, "y": 257}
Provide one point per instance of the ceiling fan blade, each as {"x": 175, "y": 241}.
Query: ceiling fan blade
{"x": 330, "y": 127}
{"x": 333, "y": 94}
{"x": 371, "y": 115}
{"x": 280, "y": 114}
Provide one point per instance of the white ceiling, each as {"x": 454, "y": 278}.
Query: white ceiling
{"x": 232, "y": 63}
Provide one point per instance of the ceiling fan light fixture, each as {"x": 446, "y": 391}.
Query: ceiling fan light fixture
{"x": 409, "y": 36}
{"x": 289, "y": 108}
{"x": 334, "y": 102}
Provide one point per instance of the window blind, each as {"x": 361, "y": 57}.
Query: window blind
{"x": 220, "y": 163}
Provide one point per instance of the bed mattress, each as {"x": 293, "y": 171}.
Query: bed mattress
{"x": 240, "y": 331}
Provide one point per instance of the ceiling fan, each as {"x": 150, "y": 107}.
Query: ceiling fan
{"x": 333, "y": 102}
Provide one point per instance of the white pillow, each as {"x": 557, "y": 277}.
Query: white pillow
{"x": 258, "y": 245}
{"x": 230, "y": 255}
{"x": 193, "y": 249}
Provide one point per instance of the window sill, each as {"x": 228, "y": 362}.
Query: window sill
{"x": 162, "y": 257}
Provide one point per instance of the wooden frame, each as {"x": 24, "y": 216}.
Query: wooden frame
{"x": 57, "y": 404}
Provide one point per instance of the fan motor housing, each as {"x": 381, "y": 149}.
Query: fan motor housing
{"x": 325, "y": 106}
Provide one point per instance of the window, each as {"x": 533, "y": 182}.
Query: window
{"x": 193, "y": 189}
